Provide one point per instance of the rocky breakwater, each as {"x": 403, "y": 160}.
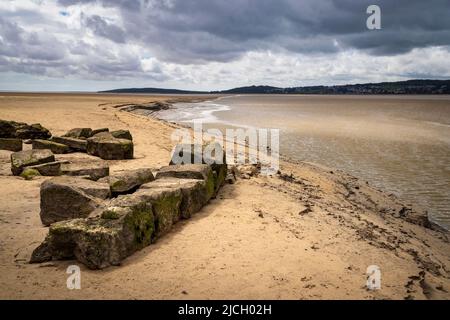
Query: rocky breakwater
{"x": 145, "y": 209}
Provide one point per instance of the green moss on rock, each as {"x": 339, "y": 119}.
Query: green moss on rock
{"x": 29, "y": 174}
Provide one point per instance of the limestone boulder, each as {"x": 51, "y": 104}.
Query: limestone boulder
{"x": 79, "y": 133}
{"x": 96, "y": 131}
{"x": 73, "y": 143}
{"x": 48, "y": 169}
{"x": 98, "y": 242}
{"x": 11, "y": 144}
{"x": 103, "y": 239}
{"x": 107, "y": 147}
{"x": 33, "y": 131}
{"x": 95, "y": 170}
{"x": 211, "y": 154}
{"x": 55, "y": 147}
{"x": 191, "y": 171}
{"x": 8, "y": 129}
{"x": 128, "y": 180}
{"x": 64, "y": 198}
{"x": 196, "y": 153}
{"x": 165, "y": 202}
{"x": 194, "y": 193}
{"x": 12, "y": 129}
{"x": 27, "y": 158}
{"x": 122, "y": 134}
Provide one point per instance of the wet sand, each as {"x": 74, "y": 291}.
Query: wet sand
{"x": 308, "y": 233}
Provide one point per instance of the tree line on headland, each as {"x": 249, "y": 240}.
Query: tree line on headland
{"x": 399, "y": 87}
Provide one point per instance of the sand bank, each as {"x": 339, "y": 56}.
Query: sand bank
{"x": 309, "y": 233}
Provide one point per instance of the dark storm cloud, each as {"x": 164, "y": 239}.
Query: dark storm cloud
{"x": 112, "y": 39}
{"x": 104, "y": 29}
{"x": 218, "y": 30}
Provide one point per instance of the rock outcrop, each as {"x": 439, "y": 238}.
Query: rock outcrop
{"x": 27, "y": 158}
{"x": 64, "y": 198}
{"x": 126, "y": 181}
{"x": 55, "y": 147}
{"x": 107, "y": 147}
{"x": 20, "y": 130}
{"x": 11, "y": 144}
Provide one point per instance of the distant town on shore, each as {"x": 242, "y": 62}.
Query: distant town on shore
{"x": 399, "y": 87}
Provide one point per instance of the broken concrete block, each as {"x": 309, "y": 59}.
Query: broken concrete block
{"x": 94, "y": 170}
{"x": 22, "y": 159}
{"x": 11, "y": 144}
{"x": 194, "y": 193}
{"x": 64, "y": 198}
{"x": 105, "y": 146}
{"x": 128, "y": 180}
{"x": 55, "y": 147}
{"x": 72, "y": 143}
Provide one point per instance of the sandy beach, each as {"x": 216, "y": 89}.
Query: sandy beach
{"x": 309, "y": 232}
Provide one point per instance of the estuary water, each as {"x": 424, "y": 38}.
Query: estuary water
{"x": 400, "y": 144}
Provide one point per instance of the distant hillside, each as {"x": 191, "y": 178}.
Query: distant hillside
{"x": 252, "y": 89}
{"x": 399, "y": 87}
{"x": 151, "y": 90}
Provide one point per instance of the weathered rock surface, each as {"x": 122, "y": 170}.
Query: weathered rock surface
{"x": 64, "y": 198}
{"x": 95, "y": 131}
{"x": 119, "y": 230}
{"x": 55, "y": 147}
{"x": 22, "y": 159}
{"x": 187, "y": 171}
{"x": 191, "y": 171}
{"x": 72, "y": 143}
{"x": 196, "y": 153}
{"x": 79, "y": 133}
{"x": 8, "y": 128}
{"x": 11, "y": 144}
{"x": 105, "y": 146}
{"x": 194, "y": 193}
{"x": 97, "y": 242}
{"x": 128, "y": 180}
{"x": 48, "y": 169}
{"x": 165, "y": 202}
{"x": 122, "y": 134}
{"x": 206, "y": 154}
{"x": 12, "y": 129}
{"x": 94, "y": 170}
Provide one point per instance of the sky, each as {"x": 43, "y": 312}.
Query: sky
{"x": 91, "y": 45}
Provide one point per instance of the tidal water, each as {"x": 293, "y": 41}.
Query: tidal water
{"x": 400, "y": 144}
